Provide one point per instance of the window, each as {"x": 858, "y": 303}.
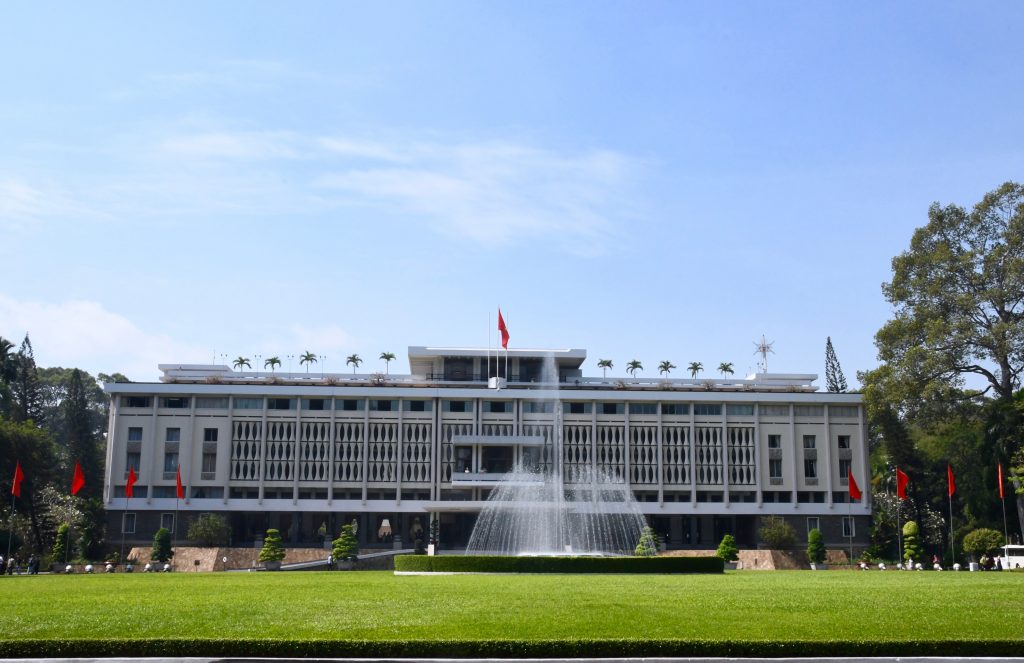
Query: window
{"x": 135, "y": 434}
{"x": 844, "y": 469}
{"x": 538, "y": 407}
{"x": 675, "y": 408}
{"x": 128, "y": 523}
{"x": 173, "y": 435}
{"x": 248, "y": 403}
{"x": 848, "y": 529}
{"x": 349, "y": 405}
{"x": 774, "y": 441}
{"x": 209, "y": 435}
{"x": 707, "y": 409}
{"x": 178, "y": 402}
{"x": 813, "y": 523}
{"x": 643, "y": 408}
{"x": 740, "y": 409}
{"x": 810, "y": 469}
{"x": 576, "y": 408}
{"x": 418, "y": 406}
{"x": 170, "y": 462}
{"x": 809, "y": 410}
{"x": 136, "y": 401}
{"x": 315, "y": 404}
{"x": 209, "y": 461}
{"x": 775, "y": 468}
{"x": 463, "y": 459}
{"x": 167, "y": 521}
{"x": 212, "y": 403}
{"x": 611, "y": 408}
{"x": 383, "y": 405}
{"x": 845, "y": 411}
{"x": 809, "y": 442}
{"x": 132, "y": 459}
{"x": 280, "y": 403}
{"x": 844, "y": 441}
{"x": 774, "y": 410}
{"x": 497, "y": 406}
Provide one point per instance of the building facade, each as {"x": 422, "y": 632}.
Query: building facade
{"x": 309, "y": 452}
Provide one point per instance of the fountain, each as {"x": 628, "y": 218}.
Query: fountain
{"x": 531, "y": 513}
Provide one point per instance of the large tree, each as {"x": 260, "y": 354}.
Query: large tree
{"x": 25, "y": 389}
{"x": 835, "y": 381}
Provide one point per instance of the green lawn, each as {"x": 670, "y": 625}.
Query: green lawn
{"x": 753, "y": 613}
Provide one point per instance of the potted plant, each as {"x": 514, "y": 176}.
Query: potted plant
{"x": 728, "y": 551}
{"x": 345, "y": 548}
{"x": 647, "y": 546}
{"x": 273, "y": 551}
{"x": 816, "y": 550}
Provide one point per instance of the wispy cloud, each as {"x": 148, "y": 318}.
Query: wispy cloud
{"x": 238, "y": 145}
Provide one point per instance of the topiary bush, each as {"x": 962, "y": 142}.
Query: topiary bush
{"x": 273, "y": 547}
{"x": 647, "y": 546}
{"x": 982, "y": 541}
{"x": 59, "y": 554}
{"x": 727, "y": 549}
{"x": 912, "y": 542}
{"x": 815, "y": 547}
{"x": 162, "y": 545}
{"x": 346, "y": 546}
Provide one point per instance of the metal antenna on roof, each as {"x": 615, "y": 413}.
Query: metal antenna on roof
{"x": 763, "y": 346}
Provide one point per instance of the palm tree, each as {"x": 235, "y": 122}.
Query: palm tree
{"x": 695, "y": 367}
{"x": 240, "y": 362}
{"x": 273, "y": 363}
{"x": 633, "y": 366}
{"x": 355, "y": 360}
{"x": 388, "y": 357}
{"x": 725, "y": 368}
{"x": 604, "y": 365}
{"x": 307, "y": 358}
{"x": 665, "y": 367}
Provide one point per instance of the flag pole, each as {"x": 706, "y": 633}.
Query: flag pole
{"x": 10, "y": 525}
{"x": 488, "y": 348}
{"x": 123, "y": 516}
{"x": 899, "y": 530}
{"x": 952, "y": 546}
{"x": 1002, "y": 501}
{"x": 849, "y": 511}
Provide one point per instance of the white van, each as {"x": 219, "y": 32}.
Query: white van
{"x": 1013, "y": 557}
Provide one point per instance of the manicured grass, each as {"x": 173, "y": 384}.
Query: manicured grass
{"x": 377, "y": 613}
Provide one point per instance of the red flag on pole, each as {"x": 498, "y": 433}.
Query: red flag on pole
{"x": 77, "y": 481}
{"x": 949, "y": 477}
{"x": 901, "y": 483}
{"x": 19, "y": 476}
{"x": 181, "y": 489}
{"x": 1001, "y": 496}
{"x": 503, "y": 329}
{"x": 855, "y": 493}
{"x": 129, "y": 488}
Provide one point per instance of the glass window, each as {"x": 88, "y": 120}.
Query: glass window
{"x": 848, "y": 528}
{"x": 383, "y": 405}
{"x": 643, "y": 408}
{"x": 774, "y": 441}
{"x": 576, "y": 408}
{"x": 707, "y": 409}
{"x": 135, "y": 434}
{"x": 128, "y": 523}
{"x": 809, "y": 410}
{"x": 458, "y": 406}
{"x": 167, "y": 521}
{"x": 539, "y": 407}
{"x": 845, "y": 411}
{"x": 173, "y": 435}
{"x": 813, "y": 523}
{"x": 775, "y": 468}
{"x": 844, "y": 441}
{"x": 316, "y": 404}
{"x": 132, "y": 459}
{"x": 209, "y": 462}
{"x": 418, "y": 406}
{"x": 171, "y": 462}
{"x": 810, "y": 469}
{"x": 774, "y": 410}
{"x": 497, "y": 406}
{"x": 136, "y": 401}
{"x": 212, "y": 403}
{"x": 809, "y": 442}
{"x": 844, "y": 469}
{"x": 349, "y": 405}
{"x": 248, "y": 403}
{"x": 675, "y": 408}
{"x": 209, "y": 435}
{"x": 740, "y": 409}
{"x": 281, "y": 403}
{"x": 611, "y": 408}
{"x": 174, "y": 402}
{"x": 463, "y": 459}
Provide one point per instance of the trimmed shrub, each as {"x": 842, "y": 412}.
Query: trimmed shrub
{"x": 982, "y": 541}
{"x": 209, "y": 529}
{"x": 777, "y": 533}
{"x": 162, "y": 545}
{"x": 346, "y": 546}
{"x": 815, "y": 547}
{"x": 727, "y": 549}
{"x": 508, "y": 564}
{"x": 59, "y": 554}
{"x": 273, "y": 548}
{"x": 647, "y": 546}
{"x": 912, "y": 542}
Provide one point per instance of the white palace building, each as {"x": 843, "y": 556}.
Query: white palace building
{"x": 309, "y": 452}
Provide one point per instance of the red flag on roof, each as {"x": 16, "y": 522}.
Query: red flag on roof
{"x": 1001, "y": 496}
{"x": 503, "y": 329}
{"x": 77, "y": 481}
{"x": 129, "y": 488}
{"x": 855, "y": 493}
{"x": 19, "y": 476}
{"x": 949, "y": 478}
{"x": 901, "y": 483}
{"x": 177, "y": 480}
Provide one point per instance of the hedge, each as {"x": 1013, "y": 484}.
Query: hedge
{"x": 567, "y": 564}
{"x": 205, "y": 647}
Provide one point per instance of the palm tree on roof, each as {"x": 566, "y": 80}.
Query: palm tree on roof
{"x": 695, "y": 367}
{"x": 633, "y": 366}
{"x": 725, "y": 368}
{"x": 272, "y": 363}
{"x": 666, "y": 367}
{"x": 604, "y": 365}
{"x": 354, "y": 360}
{"x": 307, "y": 358}
{"x": 388, "y": 357}
{"x": 240, "y": 362}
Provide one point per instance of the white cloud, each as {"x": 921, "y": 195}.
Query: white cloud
{"x": 83, "y": 334}
{"x": 237, "y": 145}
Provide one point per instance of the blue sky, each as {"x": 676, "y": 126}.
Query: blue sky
{"x": 644, "y": 180}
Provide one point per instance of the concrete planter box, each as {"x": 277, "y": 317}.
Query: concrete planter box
{"x": 272, "y": 566}
{"x": 819, "y": 567}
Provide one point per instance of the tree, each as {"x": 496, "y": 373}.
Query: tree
{"x": 665, "y": 367}
{"x": 354, "y": 361}
{"x": 604, "y": 365}
{"x": 33, "y": 447}
{"x": 725, "y": 368}
{"x": 239, "y": 362}
{"x": 835, "y": 381}
{"x": 273, "y": 547}
{"x": 162, "y": 545}
{"x": 272, "y": 363}
{"x": 209, "y": 529}
{"x": 982, "y": 541}
{"x": 815, "y": 547}
{"x": 727, "y": 549}
{"x": 26, "y": 395}
{"x": 776, "y": 533}
{"x": 633, "y": 366}
{"x": 388, "y": 357}
{"x": 695, "y": 367}
{"x": 346, "y": 546}
{"x": 912, "y": 542}
{"x": 647, "y": 546}
{"x": 81, "y": 437}
{"x": 307, "y": 358}
{"x": 8, "y": 369}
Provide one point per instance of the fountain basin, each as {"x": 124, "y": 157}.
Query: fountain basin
{"x": 481, "y": 564}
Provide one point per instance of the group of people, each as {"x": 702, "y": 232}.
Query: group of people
{"x": 11, "y": 566}
{"x": 987, "y": 564}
